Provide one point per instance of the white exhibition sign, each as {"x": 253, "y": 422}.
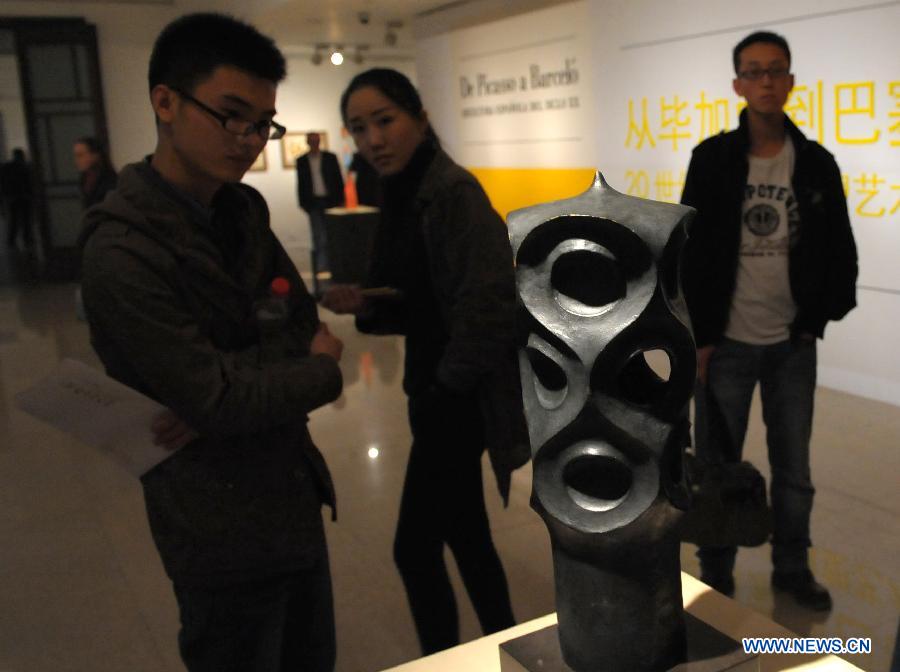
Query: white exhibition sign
{"x": 522, "y": 95}
{"x": 632, "y": 86}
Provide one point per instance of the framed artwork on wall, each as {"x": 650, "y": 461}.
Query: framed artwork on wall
{"x": 293, "y": 145}
{"x": 261, "y": 164}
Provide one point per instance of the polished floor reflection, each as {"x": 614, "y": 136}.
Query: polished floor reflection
{"x": 82, "y": 589}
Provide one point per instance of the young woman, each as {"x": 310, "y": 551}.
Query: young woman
{"x": 95, "y": 168}
{"x": 445, "y": 251}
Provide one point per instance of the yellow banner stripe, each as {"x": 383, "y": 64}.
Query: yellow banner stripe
{"x": 513, "y": 188}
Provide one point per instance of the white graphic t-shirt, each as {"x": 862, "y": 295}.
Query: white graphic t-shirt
{"x": 315, "y": 170}
{"x": 763, "y": 308}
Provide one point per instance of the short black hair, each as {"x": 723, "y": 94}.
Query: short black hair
{"x": 190, "y": 48}
{"x": 760, "y": 36}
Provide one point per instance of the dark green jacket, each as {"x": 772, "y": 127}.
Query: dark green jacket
{"x": 168, "y": 319}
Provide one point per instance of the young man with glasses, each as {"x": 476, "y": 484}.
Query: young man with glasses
{"x": 178, "y": 263}
{"x": 769, "y": 261}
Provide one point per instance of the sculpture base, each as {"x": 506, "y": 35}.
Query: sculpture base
{"x": 708, "y": 651}
{"x": 349, "y": 236}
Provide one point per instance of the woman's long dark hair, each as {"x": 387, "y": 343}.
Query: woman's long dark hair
{"x": 393, "y": 85}
{"x": 96, "y": 147}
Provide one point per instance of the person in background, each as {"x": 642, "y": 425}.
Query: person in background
{"x": 320, "y": 186}
{"x": 97, "y": 175}
{"x": 192, "y": 301}
{"x": 445, "y": 252}
{"x": 17, "y": 185}
{"x": 368, "y": 189}
{"x": 769, "y": 261}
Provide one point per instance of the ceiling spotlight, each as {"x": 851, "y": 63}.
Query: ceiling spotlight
{"x": 337, "y": 57}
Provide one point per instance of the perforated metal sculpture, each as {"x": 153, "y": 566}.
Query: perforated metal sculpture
{"x": 598, "y": 287}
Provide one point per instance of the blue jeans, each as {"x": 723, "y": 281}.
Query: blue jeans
{"x": 786, "y": 373}
{"x": 319, "y": 239}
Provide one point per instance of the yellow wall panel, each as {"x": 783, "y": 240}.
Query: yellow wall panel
{"x": 513, "y": 188}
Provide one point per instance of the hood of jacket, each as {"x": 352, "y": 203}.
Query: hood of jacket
{"x": 142, "y": 204}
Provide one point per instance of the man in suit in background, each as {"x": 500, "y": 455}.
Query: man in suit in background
{"x": 320, "y": 185}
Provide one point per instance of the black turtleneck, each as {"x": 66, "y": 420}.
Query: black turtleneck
{"x": 399, "y": 190}
{"x": 400, "y": 259}
{"x": 399, "y": 236}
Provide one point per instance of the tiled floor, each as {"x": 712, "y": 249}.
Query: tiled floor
{"x": 82, "y": 589}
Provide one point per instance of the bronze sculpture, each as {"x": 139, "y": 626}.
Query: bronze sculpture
{"x": 598, "y": 286}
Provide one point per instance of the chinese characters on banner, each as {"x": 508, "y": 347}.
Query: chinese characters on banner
{"x": 853, "y": 113}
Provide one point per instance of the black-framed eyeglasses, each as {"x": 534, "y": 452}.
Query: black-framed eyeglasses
{"x": 265, "y": 128}
{"x": 775, "y": 72}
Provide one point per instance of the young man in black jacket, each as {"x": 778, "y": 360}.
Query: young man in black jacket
{"x": 178, "y": 262}
{"x": 770, "y": 260}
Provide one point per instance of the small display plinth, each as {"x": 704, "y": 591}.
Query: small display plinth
{"x": 708, "y": 651}
{"x": 350, "y": 234}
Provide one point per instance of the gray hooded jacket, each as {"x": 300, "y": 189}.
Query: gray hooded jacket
{"x": 171, "y": 316}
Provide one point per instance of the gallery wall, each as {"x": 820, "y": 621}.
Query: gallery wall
{"x": 125, "y": 36}
{"x": 514, "y": 101}
{"x": 653, "y": 79}
{"x": 534, "y": 103}
{"x": 307, "y": 99}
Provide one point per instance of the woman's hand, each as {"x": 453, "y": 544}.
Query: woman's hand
{"x": 343, "y": 299}
{"x": 703, "y": 356}
{"x": 325, "y": 343}
{"x": 171, "y": 432}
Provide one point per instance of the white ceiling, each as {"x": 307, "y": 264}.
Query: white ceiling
{"x": 299, "y": 23}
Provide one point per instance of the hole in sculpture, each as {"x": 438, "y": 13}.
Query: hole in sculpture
{"x": 550, "y": 383}
{"x": 645, "y": 377}
{"x": 588, "y": 277}
{"x": 598, "y": 477}
{"x": 548, "y": 372}
{"x": 659, "y": 362}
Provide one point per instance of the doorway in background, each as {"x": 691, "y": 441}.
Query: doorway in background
{"x": 17, "y": 264}
{"x": 62, "y": 100}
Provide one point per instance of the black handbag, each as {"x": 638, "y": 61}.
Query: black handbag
{"x": 728, "y": 507}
